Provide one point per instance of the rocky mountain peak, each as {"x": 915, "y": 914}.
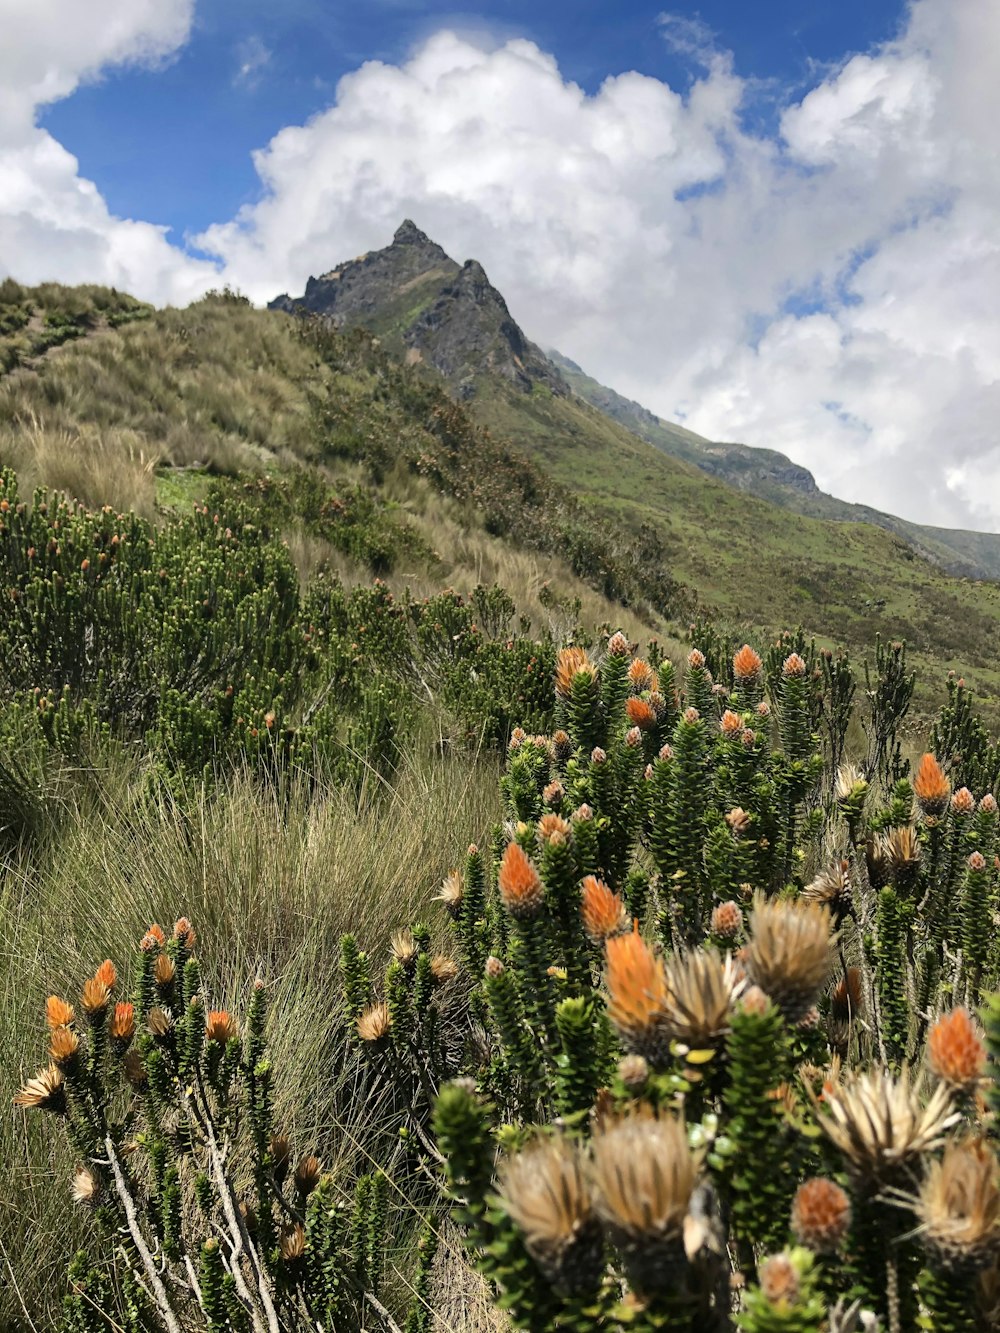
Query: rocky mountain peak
{"x": 451, "y": 317}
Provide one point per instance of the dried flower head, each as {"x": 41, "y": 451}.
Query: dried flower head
{"x": 94, "y": 999}
{"x": 553, "y": 793}
{"x": 640, "y": 714}
{"x": 831, "y": 888}
{"x": 727, "y": 920}
{"x": 553, "y": 828}
{"x": 746, "y": 665}
{"x": 880, "y": 1123}
{"x": 959, "y": 1207}
{"x": 150, "y": 943}
{"x": 159, "y": 1022}
{"x": 293, "y": 1244}
{"x": 633, "y": 1070}
{"x": 644, "y": 1174}
{"x": 618, "y": 645}
{"x": 571, "y": 663}
{"x": 821, "y": 1215}
{"x": 793, "y": 665}
{"x": 963, "y": 802}
{"x": 452, "y": 893}
{"x": 46, "y": 1091}
{"x": 85, "y": 1187}
{"x": 988, "y": 805}
{"x": 403, "y": 948}
{"x": 562, "y": 746}
{"x": 739, "y": 822}
{"x": 641, "y": 676}
{"x": 494, "y": 967}
{"x": 307, "y": 1174}
{"x": 545, "y": 1193}
{"x": 790, "y": 952}
{"x": 374, "y": 1023}
{"x": 901, "y": 847}
{"x": 691, "y": 716}
{"x": 64, "y": 1047}
{"x": 106, "y": 974}
{"x": 850, "y": 782}
{"x": 520, "y": 886}
{"x": 637, "y": 994}
{"x": 845, "y": 999}
{"x": 701, "y": 991}
{"x": 517, "y": 738}
{"x": 602, "y": 910}
{"x": 58, "y": 1014}
{"x": 977, "y": 862}
{"x": 633, "y": 737}
{"x": 443, "y": 969}
{"x": 220, "y": 1026}
{"x": 956, "y": 1051}
{"x": 135, "y": 1069}
{"x": 598, "y": 755}
{"x": 931, "y": 788}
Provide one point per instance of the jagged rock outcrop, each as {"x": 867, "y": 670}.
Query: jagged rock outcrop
{"x": 447, "y": 315}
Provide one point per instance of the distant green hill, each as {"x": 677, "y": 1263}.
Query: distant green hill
{"x": 773, "y": 559}
{"x": 773, "y": 476}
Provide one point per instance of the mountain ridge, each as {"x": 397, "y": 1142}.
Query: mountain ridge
{"x": 449, "y": 316}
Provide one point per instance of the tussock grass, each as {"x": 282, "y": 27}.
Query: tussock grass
{"x": 271, "y": 880}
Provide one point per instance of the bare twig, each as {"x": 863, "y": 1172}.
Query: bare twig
{"x": 159, "y": 1292}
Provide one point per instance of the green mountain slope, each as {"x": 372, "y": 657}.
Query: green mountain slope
{"x": 746, "y": 557}
{"x": 773, "y": 476}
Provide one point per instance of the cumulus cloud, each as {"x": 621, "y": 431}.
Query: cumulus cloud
{"x": 53, "y": 222}
{"x": 830, "y": 291}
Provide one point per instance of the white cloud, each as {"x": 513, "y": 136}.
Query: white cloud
{"x": 830, "y": 292}
{"x": 53, "y": 222}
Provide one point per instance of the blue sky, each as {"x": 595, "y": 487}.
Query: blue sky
{"x": 774, "y": 221}
{"x": 173, "y": 145}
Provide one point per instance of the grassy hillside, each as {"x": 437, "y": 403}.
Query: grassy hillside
{"x": 751, "y": 561}
{"x": 772, "y": 476}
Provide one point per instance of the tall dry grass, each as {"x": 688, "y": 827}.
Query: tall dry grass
{"x": 271, "y": 881}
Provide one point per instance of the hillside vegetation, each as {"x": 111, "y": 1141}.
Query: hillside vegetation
{"x": 367, "y": 894}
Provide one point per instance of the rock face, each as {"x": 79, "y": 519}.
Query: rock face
{"x": 445, "y": 314}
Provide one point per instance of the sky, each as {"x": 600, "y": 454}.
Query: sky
{"x": 776, "y": 223}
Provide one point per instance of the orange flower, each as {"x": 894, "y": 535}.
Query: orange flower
{"x": 956, "y": 1051}
{"x": 95, "y": 997}
{"x": 572, "y": 661}
{"x": 641, "y": 676}
{"x": 640, "y": 714}
{"x": 727, "y": 920}
{"x": 164, "y": 970}
{"x": 220, "y": 1026}
{"x": 58, "y": 1014}
{"x": 931, "y": 787}
{"x": 106, "y": 974}
{"x": 123, "y": 1022}
{"x": 963, "y": 802}
{"x": 793, "y": 665}
{"x": 696, "y": 659}
{"x": 553, "y": 828}
{"x": 63, "y": 1046}
{"x": 821, "y": 1215}
{"x": 746, "y": 664}
{"x": 602, "y": 910}
{"x": 731, "y": 723}
{"x": 520, "y": 887}
{"x": 184, "y": 933}
{"x": 637, "y": 993}
{"x": 157, "y": 933}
